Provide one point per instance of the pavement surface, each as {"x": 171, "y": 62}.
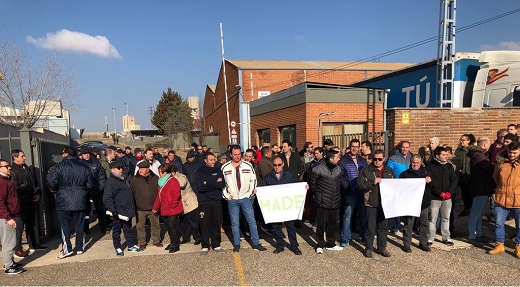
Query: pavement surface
{"x": 461, "y": 264}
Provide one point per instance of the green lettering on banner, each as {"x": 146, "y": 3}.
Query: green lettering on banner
{"x": 276, "y": 206}
{"x": 299, "y": 201}
{"x": 264, "y": 205}
{"x": 287, "y": 202}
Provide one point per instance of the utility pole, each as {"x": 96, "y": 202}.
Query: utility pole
{"x": 126, "y": 119}
{"x": 106, "y": 126}
{"x": 115, "y": 127}
{"x": 151, "y": 116}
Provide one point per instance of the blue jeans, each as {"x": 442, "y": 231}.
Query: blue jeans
{"x": 246, "y": 205}
{"x": 475, "y": 217}
{"x": 351, "y": 204}
{"x": 500, "y": 218}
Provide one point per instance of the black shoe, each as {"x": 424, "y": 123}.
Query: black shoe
{"x": 278, "y": 250}
{"x": 37, "y": 247}
{"x": 296, "y": 251}
{"x": 384, "y": 253}
{"x": 168, "y": 247}
{"x": 236, "y": 248}
{"x": 197, "y": 242}
{"x": 425, "y": 247}
{"x": 429, "y": 243}
{"x": 448, "y": 242}
{"x": 173, "y": 250}
{"x": 368, "y": 253}
{"x": 407, "y": 249}
{"x": 184, "y": 241}
{"x": 259, "y": 247}
{"x": 14, "y": 270}
{"x": 475, "y": 242}
{"x": 15, "y": 265}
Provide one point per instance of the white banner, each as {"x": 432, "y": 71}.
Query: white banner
{"x": 283, "y": 202}
{"x": 402, "y": 196}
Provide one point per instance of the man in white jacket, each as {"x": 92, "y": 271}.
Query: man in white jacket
{"x": 240, "y": 181}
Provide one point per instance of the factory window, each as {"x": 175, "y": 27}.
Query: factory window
{"x": 288, "y": 133}
{"x": 264, "y": 136}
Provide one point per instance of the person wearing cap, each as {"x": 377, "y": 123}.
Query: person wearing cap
{"x": 190, "y": 167}
{"x": 128, "y": 151}
{"x": 154, "y": 164}
{"x": 138, "y": 154}
{"x": 119, "y": 201}
{"x": 128, "y": 167}
{"x": 96, "y": 193}
{"x": 71, "y": 180}
{"x": 144, "y": 185}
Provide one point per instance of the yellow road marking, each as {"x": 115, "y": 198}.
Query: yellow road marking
{"x": 240, "y": 271}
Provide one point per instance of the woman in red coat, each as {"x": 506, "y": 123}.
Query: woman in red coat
{"x": 169, "y": 203}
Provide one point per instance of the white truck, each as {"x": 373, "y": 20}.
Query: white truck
{"x": 498, "y": 80}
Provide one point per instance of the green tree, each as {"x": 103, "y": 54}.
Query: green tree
{"x": 173, "y": 115}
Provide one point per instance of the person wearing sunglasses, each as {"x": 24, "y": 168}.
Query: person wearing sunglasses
{"x": 10, "y": 220}
{"x": 368, "y": 182}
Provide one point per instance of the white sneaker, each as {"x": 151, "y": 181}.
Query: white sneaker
{"x": 204, "y": 251}
{"x": 335, "y": 248}
{"x": 62, "y": 255}
{"x": 319, "y": 250}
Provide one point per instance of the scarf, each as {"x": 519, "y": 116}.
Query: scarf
{"x": 164, "y": 179}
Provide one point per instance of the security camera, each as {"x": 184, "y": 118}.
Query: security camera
{"x": 238, "y": 87}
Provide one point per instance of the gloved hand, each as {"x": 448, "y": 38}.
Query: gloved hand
{"x": 447, "y": 195}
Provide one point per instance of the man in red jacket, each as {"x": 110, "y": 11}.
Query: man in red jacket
{"x": 9, "y": 219}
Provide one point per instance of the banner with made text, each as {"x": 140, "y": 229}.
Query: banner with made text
{"x": 402, "y": 196}
{"x": 283, "y": 202}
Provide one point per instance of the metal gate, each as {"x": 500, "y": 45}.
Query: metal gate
{"x": 379, "y": 140}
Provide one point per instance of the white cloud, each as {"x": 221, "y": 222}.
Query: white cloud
{"x": 77, "y": 42}
{"x": 506, "y": 45}
{"x": 300, "y": 38}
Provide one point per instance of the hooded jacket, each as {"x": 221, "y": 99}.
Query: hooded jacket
{"x": 71, "y": 180}
{"x": 350, "y": 174}
{"x": 399, "y": 163}
{"x": 9, "y": 204}
{"x": 208, "y": 185}
{"x": 189, "y": 198}
{"x": 443, "y": 178}
{"x": 481, "y": 176}
{"x": 118, "y": 196}
{"x": 168, "y": 200}
{"x": 507, "y": 178}
{"x": 326, "y": 185}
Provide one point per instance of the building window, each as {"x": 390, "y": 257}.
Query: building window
{"x": 210, "y": 127}
{"x": 288, "y": 133}
{"x": 264, "y": 136}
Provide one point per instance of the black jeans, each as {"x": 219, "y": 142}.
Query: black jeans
{"x": 376, "y": 219}
{"x": 190, "y": 225}
{"x": 291, "y": 233}
{"x": 327, "y": 222}
{"x": 117, "y": 225}
{"x": 174, "y": 230}
{"x": 100, "y": 212}
{"x": 210, "y": 220}
{"x": 27, "y": 214}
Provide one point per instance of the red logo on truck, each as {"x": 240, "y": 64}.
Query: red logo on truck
{"x": 494, "y": 75}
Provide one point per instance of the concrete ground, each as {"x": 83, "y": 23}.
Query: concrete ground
{"x": 461, "y": 264}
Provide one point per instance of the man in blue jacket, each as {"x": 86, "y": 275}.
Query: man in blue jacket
{"x": 280, "y": 176}
{"x": 210, "y": 182}
{"x": 96, "y": 193}
{"x": 351, "y": 198}
{"x": 71, "y": 180}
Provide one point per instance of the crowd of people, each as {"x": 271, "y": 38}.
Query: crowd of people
{"x": 197, "y": 198}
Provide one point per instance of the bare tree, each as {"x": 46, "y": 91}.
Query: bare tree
{"x": 29, "y": 92}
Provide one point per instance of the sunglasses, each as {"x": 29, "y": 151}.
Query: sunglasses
{"x": 277, "y": 164}
{"x": 378, "y": 159}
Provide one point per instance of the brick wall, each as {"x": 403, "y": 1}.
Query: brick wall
{"x": 447, "y": 124}
{"x": 305, "y": 117}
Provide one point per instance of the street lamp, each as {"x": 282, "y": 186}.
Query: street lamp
{"x": 319, "y": 124}
{"x": 115, "y": 128}
{"x": 126, "y": 119}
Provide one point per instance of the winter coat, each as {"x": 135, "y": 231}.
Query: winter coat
{"x": 189, "y": 198}
{"x": 507, "y": 178}
{"x": 443, "y": 179}
{"x": 106, "y": 165}
{"x": 71, "y": 180}
{"x": 9, "y": 204}
{"x": 465, "y": 169}
{"x": 168, "y": 200}
{"x": 326, "y": 185}
{"x": 22, "y": 177}
{"x": 399, "y": 163}
{"x": 118, "y": 196}
{"x": 264, "y": 166}
{"x": 350, "y": 174}
{"x": 421, "y": 173}
{"x": 295, "y": 164}
{"x": 145, "y": 191}
{"x": 481, "y": 176}
{"x": 285, "y": 177}
{"x": 494, "y": 150}
{"x": 208, "y": 185}
{"x": 365, "y": 183}
{"x": 98, "y": 173}
{"x": 190, "y": 171}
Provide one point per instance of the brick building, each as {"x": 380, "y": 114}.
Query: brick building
{"x": 247, "y": 81}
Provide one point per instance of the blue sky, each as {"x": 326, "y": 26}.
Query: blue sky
{"x": 148, "y": 46}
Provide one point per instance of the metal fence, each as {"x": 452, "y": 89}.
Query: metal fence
{"x": 379, "y": 140}
{"x": 42, "y": 150}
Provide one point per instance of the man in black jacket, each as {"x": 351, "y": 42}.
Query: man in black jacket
{"x": 368, "y": 182}
{"x": 417, "y": 171}
{"x": 280, "y": 176}
{"x": 292, "y": 160}
{"x": 443, "y": 186}
{"x": 96, "y": 193}
{"x": 210, "y": 182}
{"x": 28, "y": 194}
{"x": 326, "y": 183}
{"x": 71, "y": 180}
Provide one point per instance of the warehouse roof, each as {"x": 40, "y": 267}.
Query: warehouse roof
{"x": 315, "y": 65}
